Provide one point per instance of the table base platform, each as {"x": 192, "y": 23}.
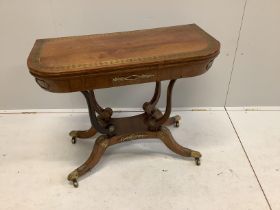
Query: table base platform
{"x": 149, "y": 125}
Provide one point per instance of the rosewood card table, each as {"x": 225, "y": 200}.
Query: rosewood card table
{"x": 86, "y": 63}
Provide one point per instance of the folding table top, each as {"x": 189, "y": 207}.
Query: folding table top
{"x": 111, "y": 53}
{"x": 104, "y": 52}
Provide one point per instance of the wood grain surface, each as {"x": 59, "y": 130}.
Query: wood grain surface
{"x": 78, "y": 63}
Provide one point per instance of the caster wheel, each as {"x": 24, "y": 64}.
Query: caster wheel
{"x": 74, "y": 140}
{"x": 177, "y": 124}
{"x": 197, "y": 161}
{"x": 75, "y": 183}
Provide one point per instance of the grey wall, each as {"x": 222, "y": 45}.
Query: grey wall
{"x": 256, "y": 75}
{"x": 254, "y": 69}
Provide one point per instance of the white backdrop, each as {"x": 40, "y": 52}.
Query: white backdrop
{"x": 250, "y": 49}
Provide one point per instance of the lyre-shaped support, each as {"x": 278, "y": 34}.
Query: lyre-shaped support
{"x": 93, "y": 107}
{"x": 151, "y": 124}
{"x": 149, "y": 107}
{"x": 167, "y": 112}
{"x": 157, "y": 118}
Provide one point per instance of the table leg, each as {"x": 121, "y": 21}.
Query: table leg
{"x": 175, "y": 120}
{"x": 82, "y": 134}
{"x": 99, "y": 148}
{"x": 149, "y": 125}
{"x": 167, "y": 138}
{"x": 103, "y": 142}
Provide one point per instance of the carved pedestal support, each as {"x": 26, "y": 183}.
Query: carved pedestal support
{"x": 151, "y": 124}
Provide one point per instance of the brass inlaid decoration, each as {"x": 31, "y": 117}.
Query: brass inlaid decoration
{"x": 132, "y": 137}
{"x": 42, "y": 83}
{"x": 132, "y": 77}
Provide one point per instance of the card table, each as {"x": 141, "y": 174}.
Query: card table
{"x": 90, "y": 62}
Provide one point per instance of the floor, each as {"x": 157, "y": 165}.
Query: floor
{"x": 240, "y": 167}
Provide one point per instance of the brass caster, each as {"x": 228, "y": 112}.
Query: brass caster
{"x": 197, "y": 161}
{"x": 72, "y": 177}
{"x": 75, "y": 183}
{"x": 74, "y": 140}
{"x": 177, "y": 124}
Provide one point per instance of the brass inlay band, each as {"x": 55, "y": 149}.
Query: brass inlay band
{"x": 36, "y": 52}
